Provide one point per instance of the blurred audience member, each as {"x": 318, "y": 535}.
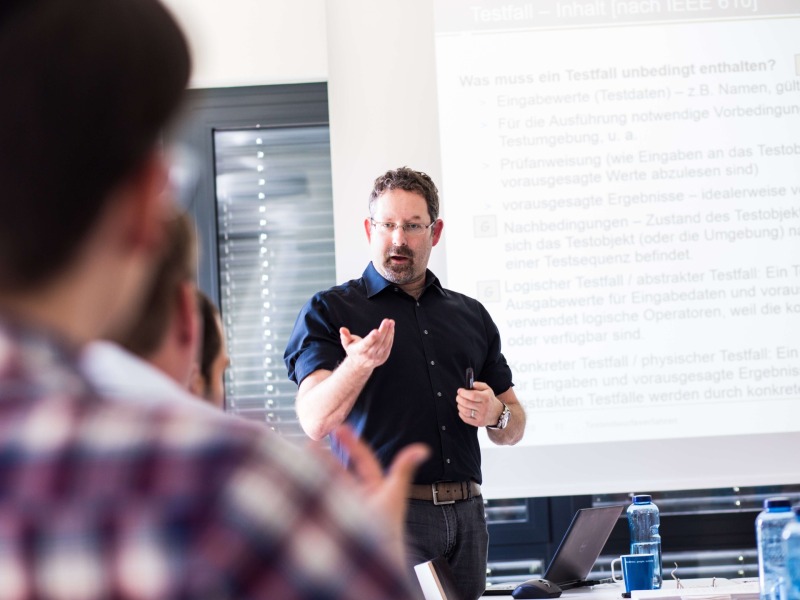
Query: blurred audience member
{"x": 208, "y": 381}
{"x": 167, "y": 332}
{"x": 155, "y": 358}
{"x": 104, "y": 499}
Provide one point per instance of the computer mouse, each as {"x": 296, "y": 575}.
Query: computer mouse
{"x": 536, "y": 588}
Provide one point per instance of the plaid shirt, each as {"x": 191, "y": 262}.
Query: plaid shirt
{"x": 103, "y": 499}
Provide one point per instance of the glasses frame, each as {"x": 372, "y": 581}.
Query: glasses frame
{"x": 389, "y": 227}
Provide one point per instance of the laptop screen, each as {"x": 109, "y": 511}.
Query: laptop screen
{"x": 582, "y": 544}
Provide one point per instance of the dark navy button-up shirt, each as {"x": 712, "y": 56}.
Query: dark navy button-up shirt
{"x": 412, "y": 396}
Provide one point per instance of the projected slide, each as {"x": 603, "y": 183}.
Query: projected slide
{"x": 621, "y": 187}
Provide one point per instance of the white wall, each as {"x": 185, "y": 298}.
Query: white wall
{"x": 254, "y": 42}
{"x": 382, "y": 94}
{"x": 377, "y": 57}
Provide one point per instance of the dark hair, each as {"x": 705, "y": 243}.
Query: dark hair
{"x": 178, "y": 264}
{"x": 212, "y": 340}
{"x": 410, "y": 181}
{"x": 88, "y": 86}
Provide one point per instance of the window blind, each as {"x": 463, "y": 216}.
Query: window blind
{"x": 275, "y": 248}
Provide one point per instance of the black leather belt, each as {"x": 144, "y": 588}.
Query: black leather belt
{"x": 445, "y": 492}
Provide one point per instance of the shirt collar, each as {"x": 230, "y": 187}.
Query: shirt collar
{"x": 376, "y": 283}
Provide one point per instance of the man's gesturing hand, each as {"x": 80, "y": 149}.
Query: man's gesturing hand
{"x": 371, "y": 351}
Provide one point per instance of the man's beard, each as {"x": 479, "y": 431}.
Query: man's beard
{"x": 402, "y": 273}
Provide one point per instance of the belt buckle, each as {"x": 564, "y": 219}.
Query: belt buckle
{"x": 435, "y": 491}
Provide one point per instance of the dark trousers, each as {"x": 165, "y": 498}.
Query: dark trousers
{"x": 455, "y": 531}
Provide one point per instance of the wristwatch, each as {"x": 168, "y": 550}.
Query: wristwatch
{"x": 502, "y": 422}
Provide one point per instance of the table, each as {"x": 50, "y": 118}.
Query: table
{"x": 733, "y": 589}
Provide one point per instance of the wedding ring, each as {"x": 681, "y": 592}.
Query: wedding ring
{"x": 472, "y": 414}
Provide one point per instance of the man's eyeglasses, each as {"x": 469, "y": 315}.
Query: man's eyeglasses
{"x": 408, "y": 228}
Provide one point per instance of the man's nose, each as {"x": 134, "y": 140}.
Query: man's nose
{"x": 399, "y": 236}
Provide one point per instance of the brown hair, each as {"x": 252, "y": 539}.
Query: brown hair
{"x": 410, "y": 181}
{"x": 212, "y": 340}
{"x": 178, "y": 265}
{"x": 88, "y": 87}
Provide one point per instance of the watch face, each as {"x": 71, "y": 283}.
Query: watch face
{"x": 503, "y": 420}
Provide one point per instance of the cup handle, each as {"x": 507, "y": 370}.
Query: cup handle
{"x": 776, "y": 593}
{"x": 613, "y": 578}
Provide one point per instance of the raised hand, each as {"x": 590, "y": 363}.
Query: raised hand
{"x": 371, "y": 351}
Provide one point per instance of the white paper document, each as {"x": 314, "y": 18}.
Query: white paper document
{"x": 703, "y": 589}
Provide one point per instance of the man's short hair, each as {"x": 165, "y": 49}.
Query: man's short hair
{"x": 410, "y": 181}
{"x": 178, "y": 265}
{"x": 91, "y": 84}
{"x": 212, "y": 339}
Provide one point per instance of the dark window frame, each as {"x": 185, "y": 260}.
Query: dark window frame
{"x": 209, "y": 110}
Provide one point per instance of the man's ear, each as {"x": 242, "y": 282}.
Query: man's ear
{"x": 197, "y": 383}
{"x": 368, "y": 229}
{"x": 148, "y": 203}
{"x": 437, "y": 231}
{"x": 187, "y": 315}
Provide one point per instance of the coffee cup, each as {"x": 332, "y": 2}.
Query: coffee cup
{"x": 638, "y": 571}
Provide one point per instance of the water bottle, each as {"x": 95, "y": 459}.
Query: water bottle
{"x": 791, "y": 550}
{"x": 770, "y": 522}
{"x": 643, "y": 522}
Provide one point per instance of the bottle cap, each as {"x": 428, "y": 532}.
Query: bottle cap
{"x": 642, "y": 498}
{"x": 778, "y": 502}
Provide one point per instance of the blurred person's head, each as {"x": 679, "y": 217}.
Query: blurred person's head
{"x": 166, "y": 332}
{"x": 88, "y": 87}
{"x": 208, "y": 381}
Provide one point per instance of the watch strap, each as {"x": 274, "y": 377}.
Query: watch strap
{"x": 502, "y": 422}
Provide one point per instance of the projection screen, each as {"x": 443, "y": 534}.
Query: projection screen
{"x": 622, "y": 191}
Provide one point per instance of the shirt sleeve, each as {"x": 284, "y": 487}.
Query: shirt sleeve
{"x": 496, "y": 372}
{"x": 314, "y": 343}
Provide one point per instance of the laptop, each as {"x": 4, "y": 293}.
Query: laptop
{"x": 577, "y": 552}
